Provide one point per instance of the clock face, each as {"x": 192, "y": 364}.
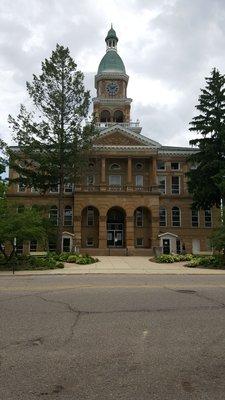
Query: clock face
{"x": 112, "y": 88}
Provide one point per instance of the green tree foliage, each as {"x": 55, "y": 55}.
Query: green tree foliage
{"x": 206, "y": 182}
{"x": 53, "y": 140}
{"x": 26, "y": 225}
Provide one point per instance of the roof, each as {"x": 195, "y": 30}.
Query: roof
{"x": 111, "y": 34}
{"x": 111, "y": 62}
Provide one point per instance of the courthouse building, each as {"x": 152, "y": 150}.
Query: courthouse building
{"x": 134, "y": 197}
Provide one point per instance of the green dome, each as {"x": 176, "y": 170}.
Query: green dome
{"x": 111, "y": 62}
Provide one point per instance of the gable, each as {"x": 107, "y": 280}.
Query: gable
{"x": 118, "y": 139}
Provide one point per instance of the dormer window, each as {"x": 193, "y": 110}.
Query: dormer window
{"x": 114, "y": 167}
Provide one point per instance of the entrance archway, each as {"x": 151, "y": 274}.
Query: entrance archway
{"x": 116, "y": 218}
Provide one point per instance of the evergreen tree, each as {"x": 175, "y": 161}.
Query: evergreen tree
{"x": 52, "y": 139}
{"x": 206, "y": 181}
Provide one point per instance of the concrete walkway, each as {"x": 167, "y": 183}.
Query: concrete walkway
{"x": 123, "y": 265}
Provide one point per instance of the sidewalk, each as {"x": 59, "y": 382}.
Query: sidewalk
{"x": 123, "y": 265}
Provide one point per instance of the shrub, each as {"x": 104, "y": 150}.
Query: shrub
{"x": 79, "y": 259}
{"x": 216, "y": 261}
{"x": 72, "y": 259}
{"x": 170, "y": 258}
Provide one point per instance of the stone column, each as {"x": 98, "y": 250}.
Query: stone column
{"x": 153, "y": 173}
{"x": 129, "y": 171}
{"x": 130, "y": 234}
{"x": 102, "y": 232}
{"x": 103, "y": 171}
{"x": 77, "y": 230}
{"x": 155, "y": 225}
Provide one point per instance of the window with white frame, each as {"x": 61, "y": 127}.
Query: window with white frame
{"x": 194, "y": 218}
{"x": 139, "y": 218}
{"x": 176, "y": 216}
{"x": 161, "y": 166}
{"x": 115, "y": 180}
{"x": 175, "y": 166}
{"x": 68, "y": 216}
{"x": 162, "y": 216}
{"x": 53, "y": 215}
{"x": 139, "y": 180}
{"x": 54, "y": 189}
{"x": 90, "y": 216}
{"x": 89, "y": 242}
{"x": 33, "y": 246}
{"x": 68, "y": 188}
{"x": 19, "y": 248}
{"x": 208, "y": 218}
{"x": 175, "y": 187}
{"x": 162, "y": 183}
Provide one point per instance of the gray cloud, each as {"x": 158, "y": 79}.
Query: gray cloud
{"x": 173, "y": 42}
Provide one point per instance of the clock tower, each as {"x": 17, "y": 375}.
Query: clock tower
{"x": 111, "y": 104}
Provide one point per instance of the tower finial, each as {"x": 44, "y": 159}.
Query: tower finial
{"x": 111, "y": 39}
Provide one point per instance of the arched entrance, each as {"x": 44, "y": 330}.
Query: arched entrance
{"x": 116, "y": 227}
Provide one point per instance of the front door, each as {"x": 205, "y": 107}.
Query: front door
{"x": 166, "y": 246}
{"x": 115, "y": 235}
{"x": 66, "y": 245}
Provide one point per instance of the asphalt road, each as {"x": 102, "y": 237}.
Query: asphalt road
{"x": 112, "y": 337}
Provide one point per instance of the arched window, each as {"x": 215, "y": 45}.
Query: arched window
{"x": 68, "y": 216}
{"x": 162, "y": 216}
{"x": 176, "y": 216}
{"x": 105, "y": 116}
{"x": 118, "y": 116}
{"x": 53, "y": 215}
{"x": 114, "y": 167}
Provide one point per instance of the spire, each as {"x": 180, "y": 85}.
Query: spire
{"x": 111, "y": 39}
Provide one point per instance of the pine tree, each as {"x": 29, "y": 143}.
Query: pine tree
{"x": 52, "y": 139}
{"x": 206, "y": 181}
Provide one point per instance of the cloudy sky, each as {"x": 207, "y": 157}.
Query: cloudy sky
{"x": 168, "y": 47}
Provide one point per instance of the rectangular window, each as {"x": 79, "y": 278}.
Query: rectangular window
{"x": 66, "y": 244}
{"x": 139, "y": 218}
{"x": 115, "y": 180}
{"x": 208, "y": 218}
{"x": 54, "y": 189}
{"x": 162, "y": 184}
{"x": 176, "y": 216}
{"x": 68, "y": 188}
{"x": 33, "y": 246}
{"x": 90, "y": 180}
{"x": 194, "y": 218}
{"x": 19, "y": 248}
{"x": 90, "y": 216}
{"x": 21, "y": 187}
{"x": 51, "y": 246}
{"x": 175, "y": 166}
{"x": 161, "y": 165}
{"x": 175, "y": 188}
{"x": 139, "y": 242}
{"x": 162, "y": 216}
{"x": 34, "y": 190}
{"x": 139, "y": 180}
{"x": 89, "y": 242}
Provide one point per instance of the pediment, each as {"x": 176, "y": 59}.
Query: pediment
{"x": 123, "y": 137}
